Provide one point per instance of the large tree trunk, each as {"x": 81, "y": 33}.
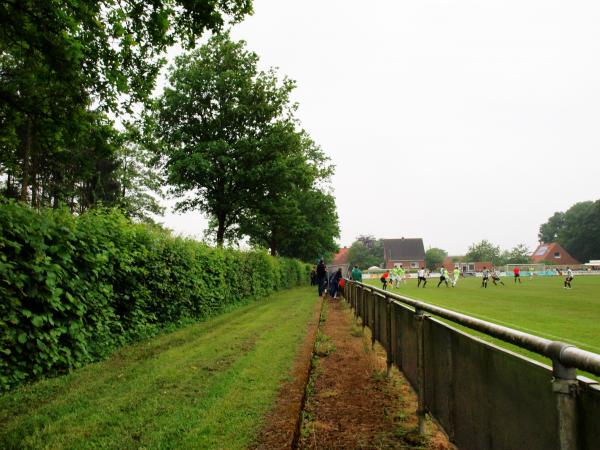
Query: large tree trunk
{"x": 221, "y": 231}
{"x": 25, "y": 165}
{"x": 35, "y": 185}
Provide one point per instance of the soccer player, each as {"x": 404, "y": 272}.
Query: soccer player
{"x": 421, "y": 277}
{"x": 496, "y": 277}
{"x": 397, "y": 272}
{"x": 455, "y": 276}
{"x": 443, "y": 277}
{"x": 384, "y": 280}
{"x": 401, "y": 274}
{"x": 568, "y": 278}
{"x": 517, "y": 273}
{"x": 485, "y": 274}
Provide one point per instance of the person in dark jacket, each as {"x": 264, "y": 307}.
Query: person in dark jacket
{"x": 334, "y": 282}
{"x": 321, "y": 277}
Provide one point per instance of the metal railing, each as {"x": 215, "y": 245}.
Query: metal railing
{"x": 484, "y": 396}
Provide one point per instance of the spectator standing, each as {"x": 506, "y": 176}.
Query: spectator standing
{"x": 356, "y": 274}
{"x": 321, "y": 277}
{"x": 334, "y": 283}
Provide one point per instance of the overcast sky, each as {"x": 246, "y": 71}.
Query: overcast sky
{"x": 453, "y": 121}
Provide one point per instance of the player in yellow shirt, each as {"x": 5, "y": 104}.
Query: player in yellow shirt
{"x": 455, "y": 276}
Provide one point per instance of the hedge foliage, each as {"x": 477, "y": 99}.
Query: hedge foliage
{"x": 73, "y": 288}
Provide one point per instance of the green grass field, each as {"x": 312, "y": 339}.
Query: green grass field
{"x": 538, "y": 306}
{"x": 205, "y": 386}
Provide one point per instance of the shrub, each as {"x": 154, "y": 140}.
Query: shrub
{"x": 73, "y": 288}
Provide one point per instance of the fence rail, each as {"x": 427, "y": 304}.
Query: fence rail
{"x": 484, "y": 396}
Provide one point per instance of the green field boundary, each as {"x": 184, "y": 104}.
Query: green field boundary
{"x": 208, "y": 385}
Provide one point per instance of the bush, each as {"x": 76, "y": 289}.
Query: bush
{"x": 73, "y": 288}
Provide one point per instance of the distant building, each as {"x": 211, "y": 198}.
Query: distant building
{"x": 410, "y": 253}
{"x": 452, "y": 262}
{"x": 552, "y": 252}
{"x": 341, "y": 257}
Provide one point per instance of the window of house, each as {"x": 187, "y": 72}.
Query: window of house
{"x": 471, "y": 267}
{"x": 414, "y": 265}
{"x": 557, "y": 254}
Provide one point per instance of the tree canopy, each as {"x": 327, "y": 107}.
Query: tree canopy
{"x": 63, "y": 65}
{"x": 366, "y": 251}
{"x": 577, "y": 230}
{"x": 79, "y": 125}
{"x": 483, "y": 251}
{"x": 231, "y": 148}
{"x": 434, "y": 257}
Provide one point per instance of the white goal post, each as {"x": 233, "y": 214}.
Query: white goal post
{"x": 526, "y": 269}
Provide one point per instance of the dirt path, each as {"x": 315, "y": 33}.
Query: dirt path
{"x": 350, "y": 402}
{"x": 283, "y": 422}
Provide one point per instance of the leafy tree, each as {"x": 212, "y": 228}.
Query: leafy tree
{"x": 317, "y": 227}
{"x": 57, "y": 58}
{"x": 577, "y": 230}
{"x": 102, "y": 47}
{"x": 434, "y": 257}
{"x": 140, "y": 185}
{"x": 283, "y": 218}
{"x": 549, "y": 231}
{"x": 581, "y": 236}
{"x": 484, "y": 251}
{"x": 366, "y": 251}
{"x": 519, "y": 254}
{"x": 213, "y": 121}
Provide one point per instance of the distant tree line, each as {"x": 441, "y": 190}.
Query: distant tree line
{"x": 577, "y": 230}
{"x": 79, "y": 125}
{"x": 367, "y": 251}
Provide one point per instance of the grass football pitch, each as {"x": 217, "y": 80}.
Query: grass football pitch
{"x": 538, "y": 306}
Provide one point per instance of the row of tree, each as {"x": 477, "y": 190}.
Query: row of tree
{"x": 481, "y": 251}
{"x": 222, "y": 137}
{"x": 367, "y": 251}
{"x": 577, "y": 230}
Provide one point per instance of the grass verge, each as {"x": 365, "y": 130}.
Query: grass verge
{"x": 205, "y": 386}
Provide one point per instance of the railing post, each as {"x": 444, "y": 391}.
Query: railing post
{"x": 374, "y": 321}
{"x": 363, "y": 302}
{"x": 419, "y": 318}
{"x": 388, "y": 333}
{"x": 565, "y": 386}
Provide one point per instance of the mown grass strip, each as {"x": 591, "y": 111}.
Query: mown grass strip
{"x": 205, "y": 386}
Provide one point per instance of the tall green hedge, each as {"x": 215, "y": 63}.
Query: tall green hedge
{"x": 73, "y": 288}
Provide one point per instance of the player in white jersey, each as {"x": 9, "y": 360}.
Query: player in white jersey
{"x": 484, "y": 277}
{"x": 421, "y": 277}
{"x": 568, "y": 278}
{"x": 443, "y": 276}
{"x": 496, "y": 277}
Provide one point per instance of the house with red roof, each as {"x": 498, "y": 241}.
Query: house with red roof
{"x": 341, "y": 257}
{"x": 552, "y": 252}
